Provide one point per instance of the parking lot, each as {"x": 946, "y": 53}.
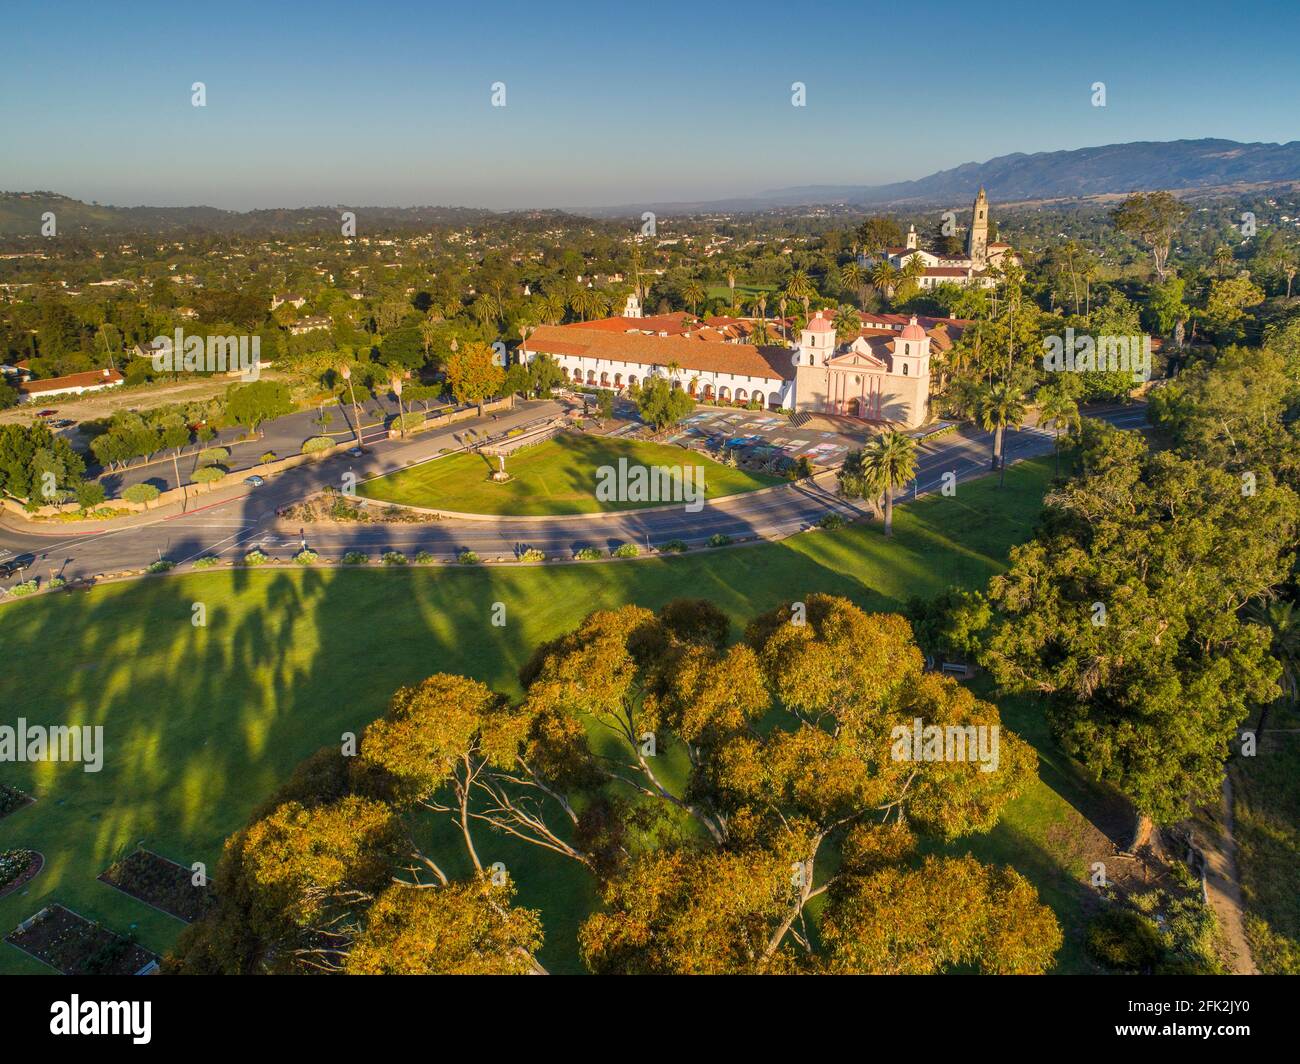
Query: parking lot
{"x": 759, "y": 437}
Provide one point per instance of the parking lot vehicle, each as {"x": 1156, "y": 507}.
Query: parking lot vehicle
{"x": 355, "y": 452}
{"x": 46, "y": 413}
{"x": 255, "y": 481}
{"x": 13, "y": 567}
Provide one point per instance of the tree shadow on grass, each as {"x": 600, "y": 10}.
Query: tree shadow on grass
{"x": 203, "y": 722}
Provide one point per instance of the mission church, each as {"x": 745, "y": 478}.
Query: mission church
{"x": 881, "y": 374}
{"x": 972, "y": 269}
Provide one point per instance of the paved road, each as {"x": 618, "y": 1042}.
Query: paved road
{"x": 284, "y": 437}
{"x": 234, "y": 527}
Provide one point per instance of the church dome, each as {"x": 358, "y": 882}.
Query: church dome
{"x": 911, "y": 331}
{"x": 820, "y": 323}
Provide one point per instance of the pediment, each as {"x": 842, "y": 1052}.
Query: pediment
{"x": 853, "y": 359}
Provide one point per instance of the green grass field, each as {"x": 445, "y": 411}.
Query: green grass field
{"x": 745, "y": 294}
{"x": 201, "y": 724}
{"x": 555, "y": 477}
{"x": 1267, "y": 808}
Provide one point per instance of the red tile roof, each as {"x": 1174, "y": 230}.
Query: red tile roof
{"x": 709, "y": 356}
{"x": 673, "y": 324}
{"x": 72, "y": 380}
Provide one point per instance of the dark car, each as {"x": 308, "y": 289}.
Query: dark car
{"x": 46, "y": 413}
{"x": 14, "y": 567}
{"x": 355, "y": 452}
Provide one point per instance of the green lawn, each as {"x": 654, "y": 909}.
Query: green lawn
{"x": 201, "y": 724}
{"x": 555, "y": 477}
{"x": 1267, "y": 808}
{"x": 745, "y": 294}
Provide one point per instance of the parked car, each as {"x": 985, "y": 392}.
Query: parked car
{"x": 62, "y": 423}
{"x": 14, "y": 566}
{"x": 355, "y": 452}
{"x": 254, "y": 481}
{"x": 46, "y": 413}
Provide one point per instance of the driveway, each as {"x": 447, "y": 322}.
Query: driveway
{"x": 232, "y": 527}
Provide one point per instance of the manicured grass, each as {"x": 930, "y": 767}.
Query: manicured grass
{"x": 201, "y": 724}
{"x": 745, "y": 294}
{"x": 555, "y": 477}
{"x": 1267, "y": 810}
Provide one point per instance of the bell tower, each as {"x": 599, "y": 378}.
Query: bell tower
{"x": 977, "y": 239}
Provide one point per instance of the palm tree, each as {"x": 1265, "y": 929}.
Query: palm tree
{"x": 912, "y": 271}
{"x": 428, "y": 332}
{"x": 1057, "y": 407}
{"x": 693, "y": 293}
{"x": 346, "y": 373}
{"x": 800, "y": 287}
{"x": 1088, "y": 271}
{"x": 885, "y": 277}
{"x": 396, "y": 383}
{"x": 780, "y": 303}
{"x": 1290, "y": 276}
{"x": 582, "y": 301}
{"x": 889, "y": 462}
{"x": 731, "y": 283}
{"x": 853, "y": 279}
{"x": 551, "y": 307}
{"x": 848, "y": 323}
{"x": 1222, "y": 258}
{"x": 997, "y": 406}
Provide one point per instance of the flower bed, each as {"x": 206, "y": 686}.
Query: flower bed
{"x": 73, "y": 945}
{"x": 18, "y": 867}
{"x": 11, "y": 800}
{"x": 161, "y": 883}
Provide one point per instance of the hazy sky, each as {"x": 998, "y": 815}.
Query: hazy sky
{"x": 390, "y": 103}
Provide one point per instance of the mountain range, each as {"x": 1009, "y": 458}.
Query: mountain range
{"x": 1110, "y": 168}
{"x": 1185, "y": 165}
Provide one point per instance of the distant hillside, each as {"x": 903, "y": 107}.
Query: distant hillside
{"x": 1111, "y": 168}
{"x": 20, "y": 214}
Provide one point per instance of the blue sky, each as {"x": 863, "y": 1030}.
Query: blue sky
{"x": 390, "y": 103}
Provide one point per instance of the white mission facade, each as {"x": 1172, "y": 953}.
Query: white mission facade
{"x": 881, "y": 375}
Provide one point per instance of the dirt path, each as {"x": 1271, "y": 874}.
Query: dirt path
{"x": 1222, "y": 885}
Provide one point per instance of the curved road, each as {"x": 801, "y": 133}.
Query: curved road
{"x": 232, "y": 527}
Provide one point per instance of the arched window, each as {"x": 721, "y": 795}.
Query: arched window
{"x": 904, "y": 369}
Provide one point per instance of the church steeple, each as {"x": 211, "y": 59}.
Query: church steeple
{"x": 977, "y": 239}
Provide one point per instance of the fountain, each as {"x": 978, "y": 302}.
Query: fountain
{"x": 500, "y": 475}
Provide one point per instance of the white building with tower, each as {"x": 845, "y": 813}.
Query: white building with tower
{"x": 881, "y": 374}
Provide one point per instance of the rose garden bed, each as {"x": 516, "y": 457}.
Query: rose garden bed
{"x": 161, "y": 883}
{"x": 73, "y": 945}
{"x": 17, "y": 868}
{"x": 12, "y": 799}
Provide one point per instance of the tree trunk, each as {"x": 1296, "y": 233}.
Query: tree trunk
{"x": 1142, "y": 826}
{"x": 889, "y": 512}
